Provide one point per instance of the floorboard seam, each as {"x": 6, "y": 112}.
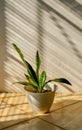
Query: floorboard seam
{"x": 17, "y": 123}
{"x": 53, "y": 124}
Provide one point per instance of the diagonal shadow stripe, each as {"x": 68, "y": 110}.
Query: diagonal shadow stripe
{"x": 48, "y": 8}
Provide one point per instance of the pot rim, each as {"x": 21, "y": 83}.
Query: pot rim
{"x": 42, "y": 93}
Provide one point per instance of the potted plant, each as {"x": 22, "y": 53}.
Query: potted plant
{"x": 39, "y": 96}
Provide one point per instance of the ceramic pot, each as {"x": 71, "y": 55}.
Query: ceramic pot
{"x": 40, "y": 102}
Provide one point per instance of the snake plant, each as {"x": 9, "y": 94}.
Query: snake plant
{"x": 33, "y": 78}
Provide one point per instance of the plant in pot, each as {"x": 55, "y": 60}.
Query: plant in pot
{"x": 40, "y": 97}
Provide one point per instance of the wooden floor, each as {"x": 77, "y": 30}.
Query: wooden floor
{"x": 16, "y": 114}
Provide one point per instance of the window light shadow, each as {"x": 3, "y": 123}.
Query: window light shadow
{"x": 3, "y": 46}
{"x": 14, "y": 116}
{"x": 73, "y": 5}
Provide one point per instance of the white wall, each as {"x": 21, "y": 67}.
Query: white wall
{"x": 48, "y": 26}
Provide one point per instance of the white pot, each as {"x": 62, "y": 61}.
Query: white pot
{"x": 40, "y": 102}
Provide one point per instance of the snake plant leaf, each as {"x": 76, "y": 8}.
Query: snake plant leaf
{"x": 19, "y": 52}
{"x": 23, "y": 83}
{"x": 31, "y": 81}
{"x": 31, "y": 72}
{"x": 60, "y": 80}
{"x": 37, "y": 63}
{"x": 27, "y": 84}
{"x": 30, "y": 88}
{"x": 27, "y": 77}
{"x": 42, "y": 80}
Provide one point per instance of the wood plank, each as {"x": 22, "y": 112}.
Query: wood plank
{"x": 69, "y": 117}
{"x": 34, "y": 124}
{"x": 65, "y": 111}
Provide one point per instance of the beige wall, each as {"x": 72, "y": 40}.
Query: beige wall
{"x": 51, "y": 27}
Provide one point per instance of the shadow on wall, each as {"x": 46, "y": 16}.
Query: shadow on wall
{"x": 56, "y": 21}
{"x": 27, "y": 27}
{"x": 3, "y": 49}
{"x": 65, "y": 34}
{"x": 73, "y": 5}
{"x": 40, "y": 42}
